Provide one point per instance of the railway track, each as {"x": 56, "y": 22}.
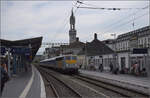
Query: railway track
{"x": 60, "y": 89}
{"x": 83, "y": 89}
{"x": 113, "y": 88}
{"x": 85, "y": 86}
{"x": 49, "y": 85}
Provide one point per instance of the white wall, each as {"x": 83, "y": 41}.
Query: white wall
{"x": 107, "y": 56}
{"x": 106, "y": 61}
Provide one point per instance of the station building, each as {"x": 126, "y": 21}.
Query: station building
{"x": 132, "y": 47}
{"x": 92, "y": 54}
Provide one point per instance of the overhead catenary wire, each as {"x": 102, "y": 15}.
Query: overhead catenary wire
{"x": 109, "y": 8}
{"x": 127, "y": 22}
{"x": 101, "y": 8}
{"x": 124, "y": 18}
{"x": 90, "y": 6}
{"x": 81, "y": 3}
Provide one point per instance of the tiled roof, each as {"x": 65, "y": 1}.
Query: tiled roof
{"x": 96, "y": 47}
{"x": 76, "y": 44}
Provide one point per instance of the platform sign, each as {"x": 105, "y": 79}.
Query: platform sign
{"x": 24, "y": 51}
{"x": 140, "y": 51}
{"x": 16, "y": 50}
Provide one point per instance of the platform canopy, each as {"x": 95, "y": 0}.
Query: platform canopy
{"x": 25, "y": 46}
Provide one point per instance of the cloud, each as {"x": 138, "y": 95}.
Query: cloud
{"x": 50, "y": 19}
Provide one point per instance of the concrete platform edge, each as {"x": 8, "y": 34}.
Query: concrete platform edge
{"x": 43, "y": 93}
{"x": 140, "y": 89}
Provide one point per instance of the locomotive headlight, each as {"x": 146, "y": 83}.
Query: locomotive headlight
{"x": 67, "y": 65}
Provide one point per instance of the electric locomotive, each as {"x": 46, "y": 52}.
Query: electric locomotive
{"x": 65, "y": 63}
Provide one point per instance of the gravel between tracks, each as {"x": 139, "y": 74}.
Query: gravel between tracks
{"x": 99, "y": 89}
{"x": 84, "y": 90}
{"x": 62, "y": 89}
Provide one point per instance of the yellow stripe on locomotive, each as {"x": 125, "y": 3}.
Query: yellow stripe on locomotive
{"x": 70, "y": 61}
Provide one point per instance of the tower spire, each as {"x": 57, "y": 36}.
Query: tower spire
{"x": 72, "y": 31}
{"x": 72, "y": 20}
{"x": 72, "y": 11}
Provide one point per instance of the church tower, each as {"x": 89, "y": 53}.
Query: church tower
{"x": 72, "y": 31}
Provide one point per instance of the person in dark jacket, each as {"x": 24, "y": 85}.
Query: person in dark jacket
{"x": 3, "y": 77}
{"x": 111, "y": 67}
{"x": 101, "y": 67}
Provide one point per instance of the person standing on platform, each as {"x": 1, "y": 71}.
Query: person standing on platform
{"x": 111, "y": 67}
{"x": 101, "y": 67}
{"x": 3, "y": 76}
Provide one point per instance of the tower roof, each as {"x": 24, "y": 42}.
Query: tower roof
{"x": 72, "y": 18}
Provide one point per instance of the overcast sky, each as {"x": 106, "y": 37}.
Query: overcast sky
{"x": 50, "y": 19}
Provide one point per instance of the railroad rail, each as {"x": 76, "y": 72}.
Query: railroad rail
{"x": 83, "y": 89}
{"x": 86, "y": 86}
{"x": 49, "y": 84}
{"x": 60, "y": 88}
{"x": 117, "y": 89}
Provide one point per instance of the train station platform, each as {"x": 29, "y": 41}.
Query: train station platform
{"x": 25, "y": 85}
{"x": 140, "y": 84}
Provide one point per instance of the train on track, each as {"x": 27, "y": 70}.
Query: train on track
{"x": 66, "y": 64}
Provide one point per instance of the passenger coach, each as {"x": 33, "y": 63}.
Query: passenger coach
{"x": 66, "y": 63}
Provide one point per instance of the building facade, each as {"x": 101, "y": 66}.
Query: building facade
{"x": 133, "y": 47}
{"x": 130, "y": 48}
{"x": 51, "y": 52}
{"x": 74, "y": 48}
{"x": 110, "y": 43}
{"x": 91, "y": 57}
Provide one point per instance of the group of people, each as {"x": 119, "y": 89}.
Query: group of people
{"x": 4, "y": 74}
{"x": 136, "y": 70}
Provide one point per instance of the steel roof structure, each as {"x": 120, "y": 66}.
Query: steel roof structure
{"x": 33, "y": 43}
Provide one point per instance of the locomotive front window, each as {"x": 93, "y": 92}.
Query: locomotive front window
{"x": 74, "y": 57}
{"x": 68, "y": 58}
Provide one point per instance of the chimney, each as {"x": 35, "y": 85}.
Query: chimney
{"x": 95, "y": 36}
{"x": 77, "y": 39}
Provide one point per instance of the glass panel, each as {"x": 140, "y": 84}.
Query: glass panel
{"x": 68, "y": 58}
{"x": 74, "y": 57}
